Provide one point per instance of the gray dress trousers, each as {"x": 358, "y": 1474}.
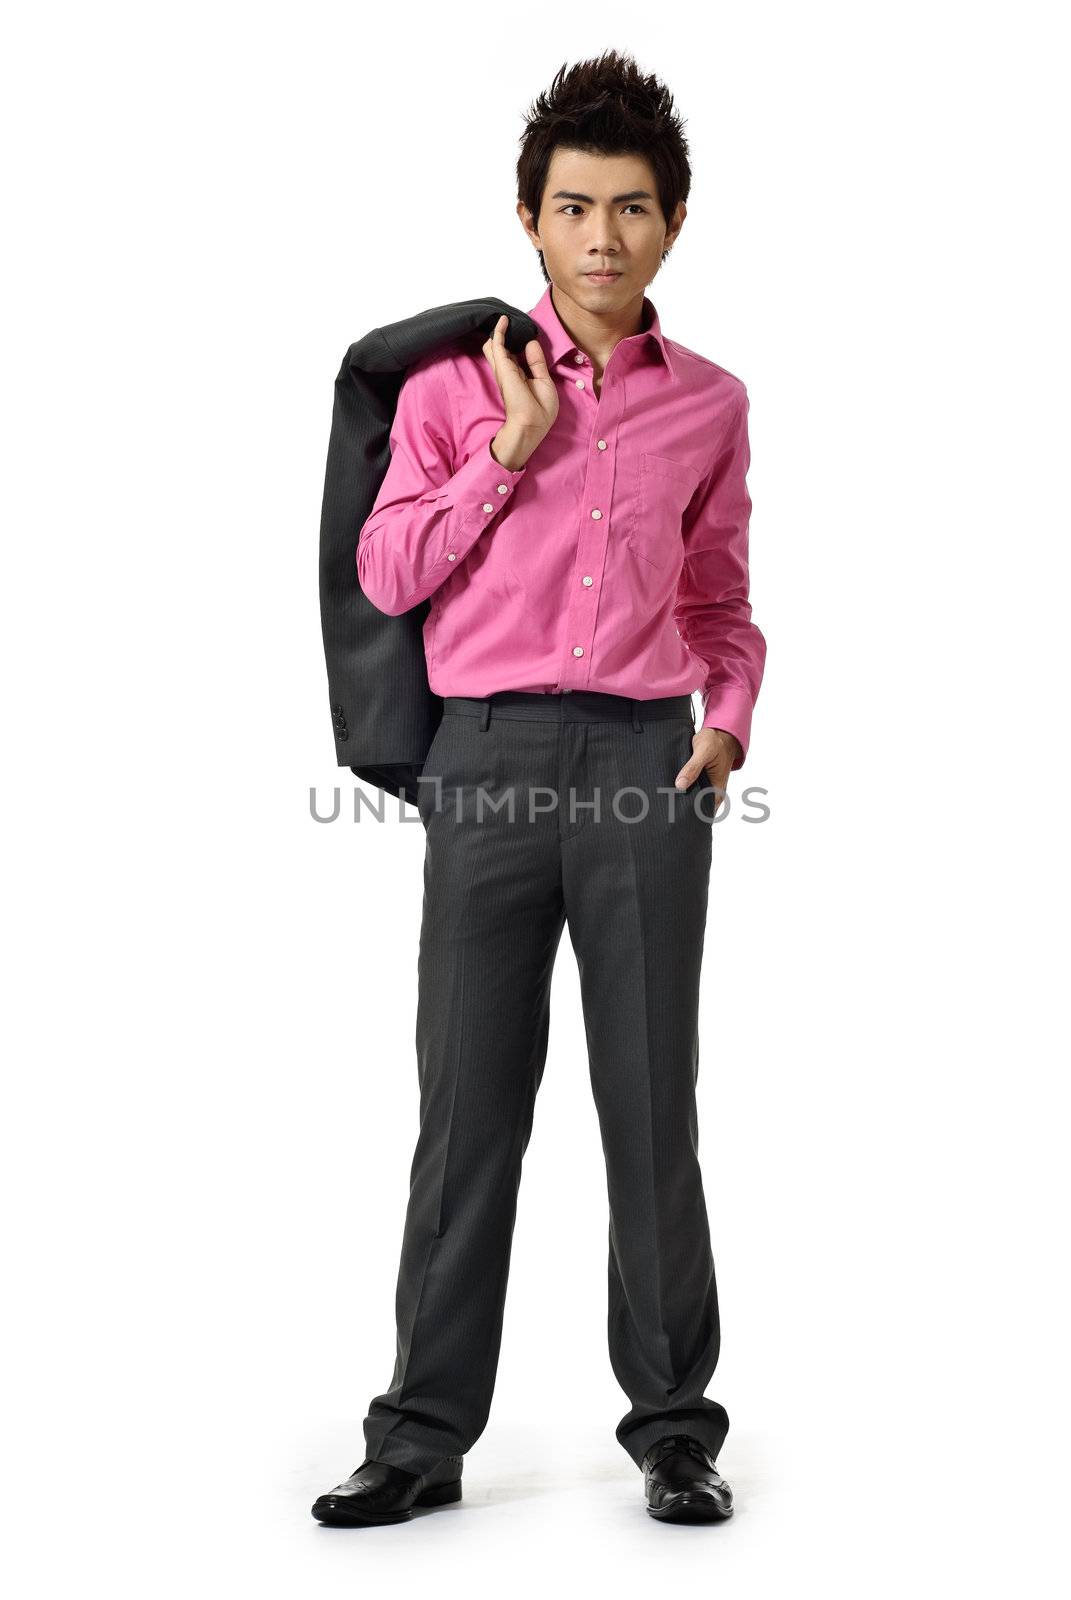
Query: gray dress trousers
{"x": 598, "y": 837}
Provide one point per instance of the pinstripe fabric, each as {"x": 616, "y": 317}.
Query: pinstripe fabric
{"x": 383, "y": 710}
{"x": 497, "y": 894}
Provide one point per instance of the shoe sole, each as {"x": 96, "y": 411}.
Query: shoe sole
{"x": 335, "y": 1517}
{"x": 690, "y": 1508}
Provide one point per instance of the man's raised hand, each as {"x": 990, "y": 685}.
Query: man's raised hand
{"x": 530, "y": 398}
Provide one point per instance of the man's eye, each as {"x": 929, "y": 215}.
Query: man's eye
{"x": 633, "y": 205}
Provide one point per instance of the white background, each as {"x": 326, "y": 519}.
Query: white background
{"x": 211, "y": 1094}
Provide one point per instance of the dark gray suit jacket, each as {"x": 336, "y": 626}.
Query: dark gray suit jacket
{"x": 384, "y": 712}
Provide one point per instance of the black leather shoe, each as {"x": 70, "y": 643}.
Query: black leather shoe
{"x": 378, "y": 1492}
{"x": 683, "y": 1484}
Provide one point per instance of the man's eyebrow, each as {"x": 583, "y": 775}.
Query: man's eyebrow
{"x": 618, "y": 199}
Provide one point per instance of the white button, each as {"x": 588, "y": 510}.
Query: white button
{"x": 502, "y": 489}
{"x": 578, "y": 357}
{"x": 580, "y": 383}
{"x": 487, "y": 506}
{"x": 587, "y": 582}
{"x": 578, "y": 649}
{"x": 451, "y": 556}
{"x": 596, "y": 513}
{"x": 602, "y": 444}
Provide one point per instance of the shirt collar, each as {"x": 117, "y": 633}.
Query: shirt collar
{"x": 559, "y": 342}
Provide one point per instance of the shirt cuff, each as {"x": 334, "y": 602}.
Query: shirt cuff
{"x": 730, "y": 708}
{"x": 477, "y": 492}
{"x": 482, "y": 486}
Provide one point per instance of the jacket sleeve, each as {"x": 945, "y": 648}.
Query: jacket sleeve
{"x": 712, "y": 610}
{"x": 427, "y": 516}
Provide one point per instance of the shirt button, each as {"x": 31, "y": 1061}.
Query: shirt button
{"x": 487, "y": 506}
{"x": 579, "y": 357}
{"x": 602, "y": 444}
{"x": 580, "y": 383}
{"x": 578, "y": 649}
{"x": 502, "y": 489}
{"x": 451, "y": 556}
{"x": 596, "y": 513}
{"x": 587, "y": 582}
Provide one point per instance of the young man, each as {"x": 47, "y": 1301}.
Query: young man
{"x": 579, "y": 523}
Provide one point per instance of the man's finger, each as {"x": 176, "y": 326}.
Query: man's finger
{"x": 498, "y": 354}
{"x": 496, "y": 336}
{"x": 537, "y": 361}
{"x": 719, "y": 778}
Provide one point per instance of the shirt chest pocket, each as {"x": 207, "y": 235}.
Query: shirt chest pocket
{"x": 663, "y": 491}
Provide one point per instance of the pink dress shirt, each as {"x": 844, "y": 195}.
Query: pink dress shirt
{"x": 614, "y": 560}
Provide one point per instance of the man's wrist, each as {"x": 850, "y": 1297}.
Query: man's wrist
{"x": 512, "y": 446}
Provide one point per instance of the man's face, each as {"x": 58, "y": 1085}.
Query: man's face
{"x": 601, "y": 211}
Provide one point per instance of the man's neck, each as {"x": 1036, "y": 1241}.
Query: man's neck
{"x": 598, "y": 334}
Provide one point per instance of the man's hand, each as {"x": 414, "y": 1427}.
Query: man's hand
{"x": 531, "y": 402}
{"x": 714, "y": 749}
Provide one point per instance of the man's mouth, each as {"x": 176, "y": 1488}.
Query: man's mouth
{"x": 603, "y": 277}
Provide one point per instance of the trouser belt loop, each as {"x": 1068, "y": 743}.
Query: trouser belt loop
{"x": 637, "y": 722}
{"x": 485, "y": 715}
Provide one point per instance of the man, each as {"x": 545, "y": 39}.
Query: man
{"x": 579, "y": 523}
